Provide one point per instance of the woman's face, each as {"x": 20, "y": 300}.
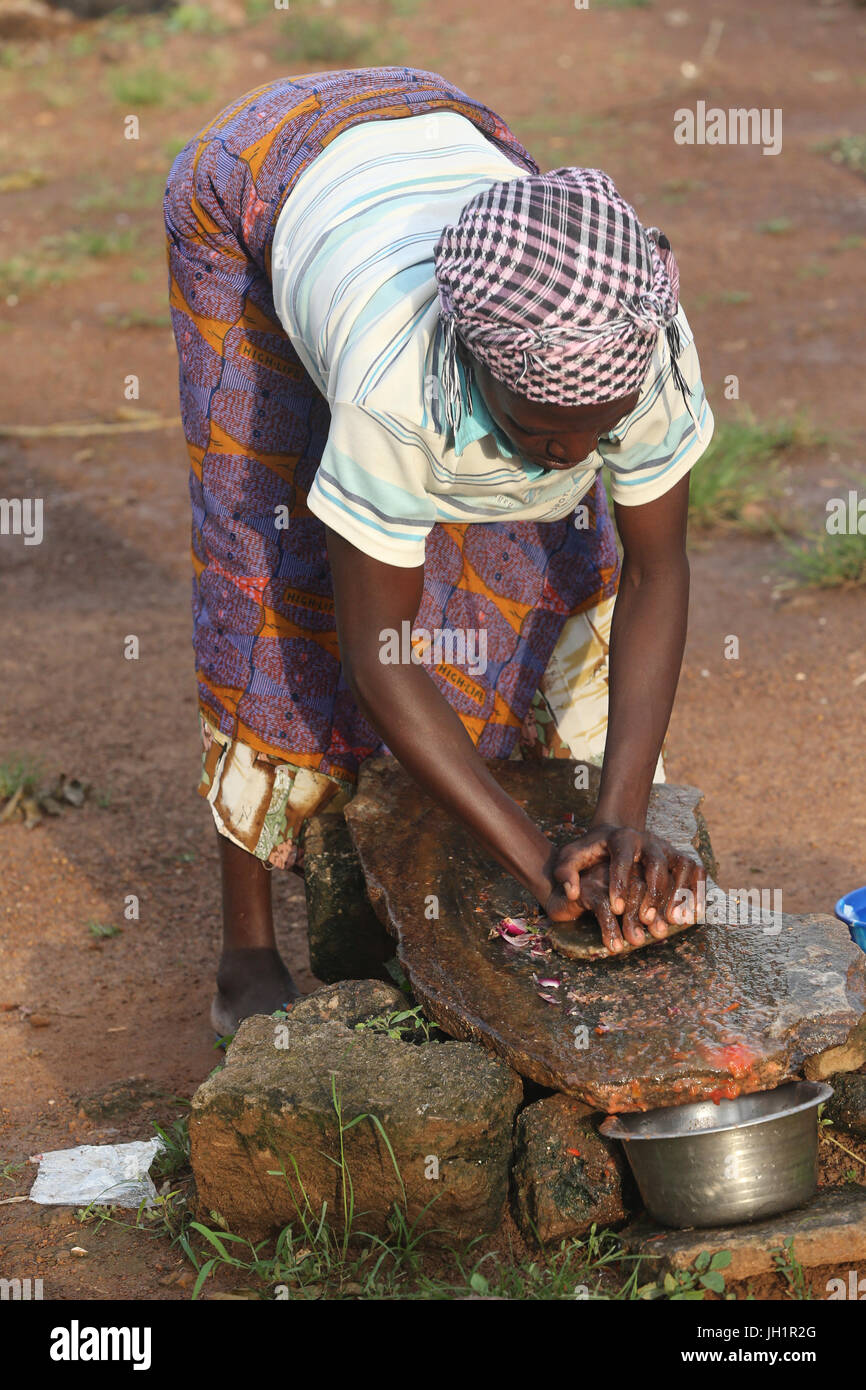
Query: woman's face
{"x": 552, "y": 436}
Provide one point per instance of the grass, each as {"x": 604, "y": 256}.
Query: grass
{"x": 776, "y": 226}
{"x": 850, "y": 151}
{"x": 57, "y": 259}
{"x": 144, "y": 86}
{"x": 142, "y": 192}
{"x": 787, "y": 1264}
{"x": 322, "y": 38}
{"x": 554, "y": 137}
{"x": 735, "y": 484}
{"x": 678, "y": 190}
{"x": 136, "y": 318}
{"x": 829, "y": 562}
{"x": 22, "y": 180}
{"x": 100, "y": 932}
{"x": 823, "y": 1126}
{"x": 405, "y": 1025}
{"x": 735, "y": 297}
{"x": 812, "y": 270}
{"x": 852, "y": 242}
{"x": 318, "y": 1257}
{"x": 16, "y": 771}
{"x": 151, "y": 86}
{"x": 194, "y": 19}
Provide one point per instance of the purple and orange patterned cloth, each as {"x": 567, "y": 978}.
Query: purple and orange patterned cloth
{"x": 255, "y": 424}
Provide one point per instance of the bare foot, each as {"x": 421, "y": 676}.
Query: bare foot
{"x": 250, "y": 980}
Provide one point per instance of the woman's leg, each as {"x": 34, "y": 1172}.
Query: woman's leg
{"x": 252, "y": 977}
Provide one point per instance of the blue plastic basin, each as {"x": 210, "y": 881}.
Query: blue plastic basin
{"x": 852, "y": 911}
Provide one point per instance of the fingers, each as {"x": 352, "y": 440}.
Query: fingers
{"x": 658, "y": 887}
{"x": 560, "y": 908}
{"x": 631, "y": 925}
{"x": 685, "y": 877}
{"x": 574, "y": 859}
{"x": 596, "y": 897}
{"x": 624, "y": 849}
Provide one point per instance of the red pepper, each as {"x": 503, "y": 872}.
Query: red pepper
{"x": 575, "y": 1152}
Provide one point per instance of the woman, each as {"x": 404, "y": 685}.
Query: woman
{"x": 405, "y": 355}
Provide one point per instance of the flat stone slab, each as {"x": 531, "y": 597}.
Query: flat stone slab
{"x": 829, "y": 1230}
{"x": 719, "y": 1011}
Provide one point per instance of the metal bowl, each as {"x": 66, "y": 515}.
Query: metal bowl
{"x": 716, "y": 1165}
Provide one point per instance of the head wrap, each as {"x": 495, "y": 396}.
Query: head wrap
{"x": 552, "y": 282}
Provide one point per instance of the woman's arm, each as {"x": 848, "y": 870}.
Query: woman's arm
{"x": 417, "y": 723}
{"x": 647, "y": 640}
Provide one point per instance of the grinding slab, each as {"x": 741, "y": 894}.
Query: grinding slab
{"x": 719, "y": 1010}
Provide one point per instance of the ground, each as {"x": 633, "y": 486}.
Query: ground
{"x": 770, "y": 248}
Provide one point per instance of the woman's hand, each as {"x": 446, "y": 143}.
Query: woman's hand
{"x": 616, "y": 871}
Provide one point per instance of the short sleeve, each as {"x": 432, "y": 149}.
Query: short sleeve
{"x": 370, "y": 486}
{"x": 659, "y": 442}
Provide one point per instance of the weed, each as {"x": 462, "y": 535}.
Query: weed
{"x": 407, "y": 1025}
{"x": 787, "y": 1264}
{"x": 100, "y": 932}
{"x": 829, "y": 562}
{"x": 776, "y": 226}
{"x": 687, "y": 1284}
{"x": 735, "y": 484}
{"x": 18, "y": 771}
{"x": 850, "y": 151}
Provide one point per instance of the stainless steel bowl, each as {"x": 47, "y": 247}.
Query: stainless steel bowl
{"x": 715, "y": 1165}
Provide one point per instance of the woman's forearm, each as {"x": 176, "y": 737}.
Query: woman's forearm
{"x": 646, "y": 649}
{"x": 424, "y": 733}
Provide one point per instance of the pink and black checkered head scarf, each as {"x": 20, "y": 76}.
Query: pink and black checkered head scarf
{"x": 553, "y": 283}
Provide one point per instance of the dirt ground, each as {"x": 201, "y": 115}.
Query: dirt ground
{"x": 774, "y": 739}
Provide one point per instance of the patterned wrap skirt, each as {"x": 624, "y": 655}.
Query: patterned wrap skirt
{"x": 281, "y": 732}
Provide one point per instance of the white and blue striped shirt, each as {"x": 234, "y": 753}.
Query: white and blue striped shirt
{"x": 355, "y": 290}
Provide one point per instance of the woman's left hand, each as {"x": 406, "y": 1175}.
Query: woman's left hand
{"x": 650, "y": 881}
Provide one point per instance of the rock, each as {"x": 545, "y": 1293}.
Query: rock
{"x": 566, "y": 1176}
{"x": 267, "y": 1122}
{"x": 31, "y": 19}
{"x": 657, "y": 1028}
{"x": 847, "y": 1105}
{"x": 347, "y": 940}
{"x": 829, "y": 1230}
{"x": 349, "y": 1002}
{"x": 849, "y": 1057}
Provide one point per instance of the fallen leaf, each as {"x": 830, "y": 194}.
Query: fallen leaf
{"x": 11, "y": 805}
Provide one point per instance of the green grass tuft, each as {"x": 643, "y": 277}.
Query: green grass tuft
{"x": 16, "y": 771}
{"x": 735, "y": 484}
{"x": 830, "y": 562}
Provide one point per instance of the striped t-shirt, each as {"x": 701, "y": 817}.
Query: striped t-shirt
{"x": 355, "y": 289}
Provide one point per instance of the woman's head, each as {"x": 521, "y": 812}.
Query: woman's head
{"x": 556, "y": 294}
{"x": 554, "y": 436}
